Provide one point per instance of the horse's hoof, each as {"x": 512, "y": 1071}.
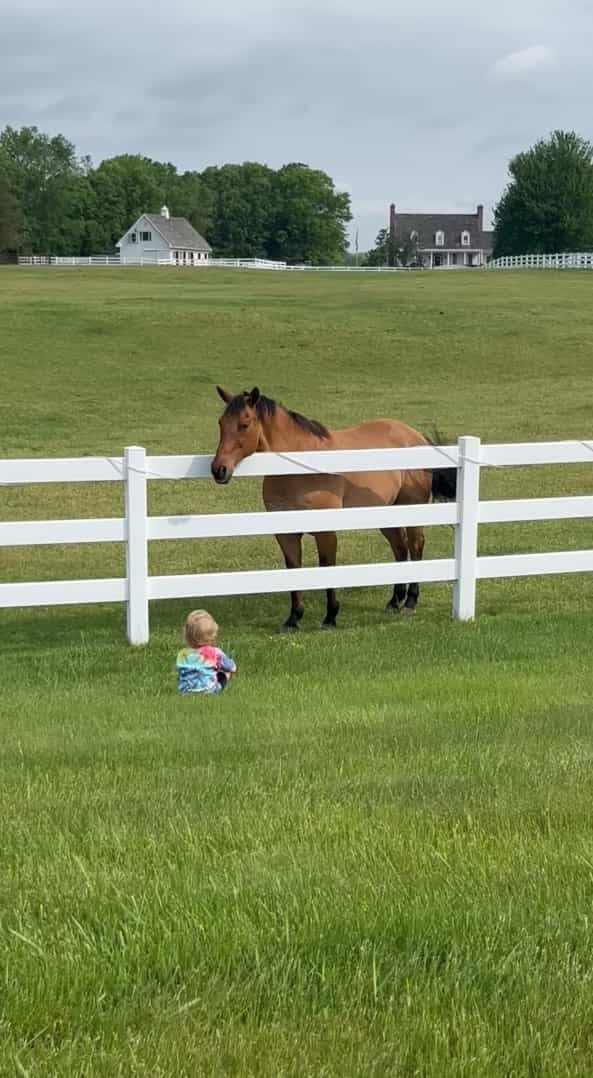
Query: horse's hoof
{"x": 392, "y": 609}
{"x": 409, "y": 611}
{"x": 328, "y": 626}
{"x": 289, "y": 628}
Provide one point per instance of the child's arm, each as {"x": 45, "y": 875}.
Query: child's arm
{"x": 225, "y": 664}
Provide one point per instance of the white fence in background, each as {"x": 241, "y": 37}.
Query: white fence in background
{"x": 578, "y": 260}
{"x": 220, "y": 263}
{"x": 583, "y": 260}
{"x": 136, "y": 528}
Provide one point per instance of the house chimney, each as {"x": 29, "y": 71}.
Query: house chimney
{"x": 480, "y": 216}
{"x": 392, "y": 220}
{"x": 165, "y": 212}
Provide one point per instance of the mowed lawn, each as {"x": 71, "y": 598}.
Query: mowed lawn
{"x": 374, "y": 855}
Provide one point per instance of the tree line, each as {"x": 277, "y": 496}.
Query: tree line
{"x": 53, "y": 201}
{"x": 546, "y": 208}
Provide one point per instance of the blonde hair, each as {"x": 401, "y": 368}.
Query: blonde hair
{"x": 200, "y": 628}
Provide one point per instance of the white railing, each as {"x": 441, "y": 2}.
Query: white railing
{"x": 578, "y": 260}
{"x": 69, "y": 260}
{"x": 136, "y": 528}
{"x": 221, "y": 263}
{"x": 247, "y": 263}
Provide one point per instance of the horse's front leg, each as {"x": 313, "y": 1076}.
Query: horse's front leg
{"x": 327, "y": 548}
{"x": 291, "y": 546}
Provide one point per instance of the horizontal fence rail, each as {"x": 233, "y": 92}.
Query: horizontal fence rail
{"x": 136, "y": 529}
{"x": 574, "y": 260}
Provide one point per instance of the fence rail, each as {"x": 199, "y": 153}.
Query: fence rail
{"x": 575, "y": 260}
{"x": 136, "y": 529}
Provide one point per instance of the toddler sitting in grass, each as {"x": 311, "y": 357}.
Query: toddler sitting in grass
{"x": 201, "y": 666}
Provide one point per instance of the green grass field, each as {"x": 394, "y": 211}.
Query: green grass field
{"x": 374, "y": 855}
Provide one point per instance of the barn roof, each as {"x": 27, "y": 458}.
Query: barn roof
{"x": 178, "y": 232}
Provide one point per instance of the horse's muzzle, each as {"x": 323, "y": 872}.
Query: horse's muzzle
{"x": 221, "y": 474}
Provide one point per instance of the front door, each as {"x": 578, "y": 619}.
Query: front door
{"x": 437, "y": 260}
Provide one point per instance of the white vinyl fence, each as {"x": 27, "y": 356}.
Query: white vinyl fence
{"x": 579, "y": 260}
{"x": 216, "y": 263}
{"x": 582, "y": 260}
{"x": 136, "y": 528}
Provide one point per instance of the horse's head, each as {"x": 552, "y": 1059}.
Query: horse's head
{"x": 239, "y": 433}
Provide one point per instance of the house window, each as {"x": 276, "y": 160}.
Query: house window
{"x": 145, "y": 237}
{"x": 439, "y": 238}
{"x": 132, "y": 237}
{"x": 465, "y": 239}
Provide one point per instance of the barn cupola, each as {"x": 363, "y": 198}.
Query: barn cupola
{"x": 165, "y": 212}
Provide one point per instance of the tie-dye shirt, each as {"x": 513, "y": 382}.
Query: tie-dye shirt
{"x": 197, "y": 669}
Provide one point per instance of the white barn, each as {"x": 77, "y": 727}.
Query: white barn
{"x": 162, "y": 238}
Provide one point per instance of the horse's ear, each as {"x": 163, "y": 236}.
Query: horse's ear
{"x": 224, "y": 395}
{"x": 254, "y": 396}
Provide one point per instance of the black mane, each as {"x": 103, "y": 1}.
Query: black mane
{"x": 266, "y": 407}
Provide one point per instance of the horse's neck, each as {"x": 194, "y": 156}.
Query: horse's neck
{"x": 280, "y": 435}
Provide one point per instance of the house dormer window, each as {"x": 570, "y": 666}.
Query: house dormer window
{"x": 439, "y": 238}
{"x": 465, "y": 239}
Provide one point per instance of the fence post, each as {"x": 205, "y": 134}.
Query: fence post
{"x": 466, "y": 531}
{"x": 136, "y": 544}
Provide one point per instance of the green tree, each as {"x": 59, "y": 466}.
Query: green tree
{"x": 393, "y": 251}
{"x": 548, "y": 204}
{"x": 242, "y": 209}
{"x": 38, "y": 170}
{"x": 11, "y": 223}
{"x": 128, "y": 185}
{"x": 124, "y": 187}
{"x": 310, "y": 217}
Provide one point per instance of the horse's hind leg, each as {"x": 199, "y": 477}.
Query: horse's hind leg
{"x": 327, "y": 548}
{"x": 416, "y": 547}
{"x": 398, "y": 541}
{"x": 291, "y": 546}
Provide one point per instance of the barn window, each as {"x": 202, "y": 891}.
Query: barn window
{"x": 145, "y": 237}
{"x": 439, "y": 238}
{"x": 132, "y": 237}
{"x": 465, "y": 239}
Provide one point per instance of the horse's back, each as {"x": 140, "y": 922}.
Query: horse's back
{"x": 377, "y": 434}
{"x": 354, "y": 489}
{"x": 382, "y": 488}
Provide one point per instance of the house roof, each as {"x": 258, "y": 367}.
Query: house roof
{"x": 452, "y": 224}
{"x": 178, "y": 232}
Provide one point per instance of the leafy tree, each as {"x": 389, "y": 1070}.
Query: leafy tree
{"x": 548, "y": 204}
{"x": 393, "y": 251}
{"x": 10, "y": 220}
{"x": 242, "y": 201}
{"x": 38, "y": 169}
{"x": 128, "y": 185}
{"x": 310, "y": 217}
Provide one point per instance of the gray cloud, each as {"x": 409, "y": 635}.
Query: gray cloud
{"x": 401, "y": 99}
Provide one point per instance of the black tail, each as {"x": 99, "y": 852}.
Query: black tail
{"x": 444, "y": 480}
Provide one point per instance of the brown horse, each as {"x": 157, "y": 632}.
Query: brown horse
{"x": 252, "y": 423}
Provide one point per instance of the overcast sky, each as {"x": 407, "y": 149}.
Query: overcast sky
{"x": 420, "y": 102}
